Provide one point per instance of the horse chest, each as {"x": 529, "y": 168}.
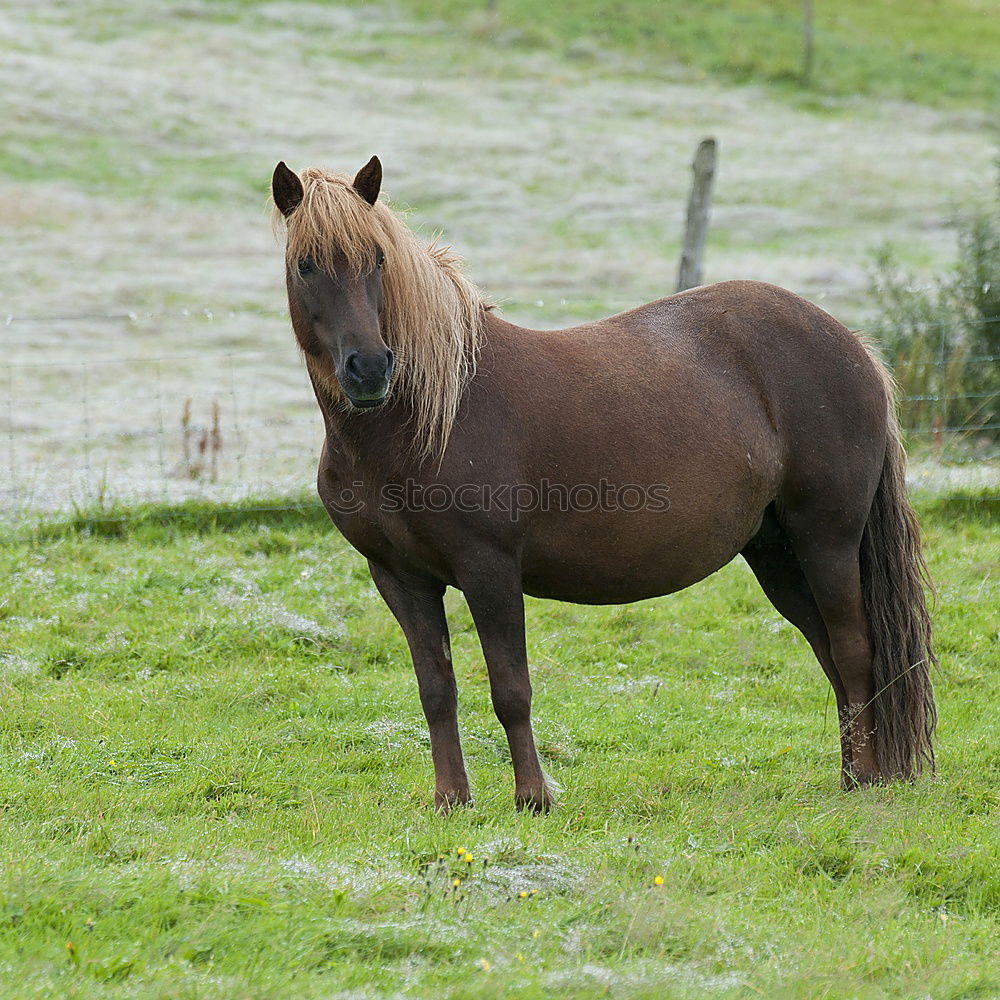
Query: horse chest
{"x": 376, "y": 522}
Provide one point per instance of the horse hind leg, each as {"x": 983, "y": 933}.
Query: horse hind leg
{"x": 769, "y": 554}
{"x": 828, "y": 553}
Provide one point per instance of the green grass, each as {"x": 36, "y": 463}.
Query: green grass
{"x": 928, "y": 51}
{"x": 114, "y": 166}
{"x": 216, "y": 782}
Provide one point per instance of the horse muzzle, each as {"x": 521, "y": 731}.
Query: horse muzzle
{"x": 365, "y": 377}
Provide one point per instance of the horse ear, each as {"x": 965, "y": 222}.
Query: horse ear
{"x": 286, "y": 189}
{"x": 369, "y": 180}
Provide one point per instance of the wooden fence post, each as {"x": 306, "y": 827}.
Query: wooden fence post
{"x": 689, "y": 272}
{"x": 807, "y": 41}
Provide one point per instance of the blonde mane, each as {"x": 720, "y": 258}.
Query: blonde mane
{"x": 433, "y": 315}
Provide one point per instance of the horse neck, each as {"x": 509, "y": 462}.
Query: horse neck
{"x": 365, "y": 445}
{"x": 375, "y": 444}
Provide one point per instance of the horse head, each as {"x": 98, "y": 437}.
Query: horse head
{"x": 335, "y": 294}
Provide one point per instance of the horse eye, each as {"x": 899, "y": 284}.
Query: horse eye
{"x": 380, "y": 259}
{"x": 306, "y": 266}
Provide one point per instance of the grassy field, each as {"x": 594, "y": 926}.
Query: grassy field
{"x": 215, "y": 779}
{"x": 215, "y": 782}
{"x": 934, "y": 52}
{"x": 137, "y": 141}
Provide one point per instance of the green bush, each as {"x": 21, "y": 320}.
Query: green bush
{"x": 942, "y": 338}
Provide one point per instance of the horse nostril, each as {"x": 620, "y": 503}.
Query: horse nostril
{"x": 351, "y": 365}
{"x": 368, "y": 368}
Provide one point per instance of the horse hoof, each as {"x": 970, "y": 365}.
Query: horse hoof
{"x": 533, "y": 801}
{"x": 852, "y": 780}
{"x": 444, "y": 802}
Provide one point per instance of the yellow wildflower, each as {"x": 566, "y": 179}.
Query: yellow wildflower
{"x": 658, "y": 880}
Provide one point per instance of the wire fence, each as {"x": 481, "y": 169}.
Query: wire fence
{"x": 240, "y": 421}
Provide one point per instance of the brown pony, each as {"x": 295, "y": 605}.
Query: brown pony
{"x": 607, "y": 463}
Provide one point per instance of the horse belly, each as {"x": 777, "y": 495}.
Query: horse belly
{"x": 616, "y": 559}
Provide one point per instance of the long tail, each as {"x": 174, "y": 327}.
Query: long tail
{"x": 893, "y": 575}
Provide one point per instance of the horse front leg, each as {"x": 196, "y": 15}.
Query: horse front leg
{"x": 494, "y": 596}
{"x": 418, "y": 606}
